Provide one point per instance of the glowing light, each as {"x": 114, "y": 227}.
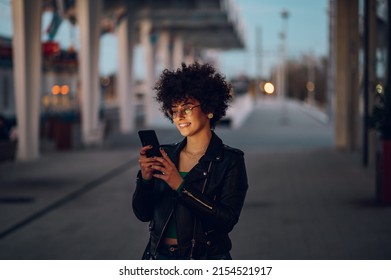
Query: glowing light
{"x": 64, "y": 90}
{"x": 310, "y": 86}
{"x": 269, "y": 88}
{"x": 46, "y": 101}
{"x": 379, "y": 88}
{"x": 56, "y": 89}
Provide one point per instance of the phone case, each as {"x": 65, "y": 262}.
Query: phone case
{"x": 148, "y": 137}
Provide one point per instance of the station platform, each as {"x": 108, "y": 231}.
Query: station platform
{"x": 306, "y": 200}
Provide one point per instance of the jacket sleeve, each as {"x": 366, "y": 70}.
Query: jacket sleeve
{"x": 223, "y": 213}
{"x": 143, "y": 202}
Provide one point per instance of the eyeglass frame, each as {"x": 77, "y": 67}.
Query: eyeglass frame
{"x": 174, "y": 115}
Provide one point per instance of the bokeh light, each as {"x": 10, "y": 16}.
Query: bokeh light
{"x": 269, "y": 88}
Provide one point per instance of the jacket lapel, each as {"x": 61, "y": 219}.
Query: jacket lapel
{"x": 199, "y": 172}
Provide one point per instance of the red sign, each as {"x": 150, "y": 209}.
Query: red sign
{"x": 51, "y": 48}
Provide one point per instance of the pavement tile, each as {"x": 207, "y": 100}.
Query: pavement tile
{"x": 306, "y": 200}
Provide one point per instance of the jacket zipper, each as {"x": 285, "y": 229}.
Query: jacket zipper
{"x": 198, "y": 200}
{"x": 193, "y": 241}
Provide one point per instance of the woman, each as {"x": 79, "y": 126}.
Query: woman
{"x": 192, "y": 195}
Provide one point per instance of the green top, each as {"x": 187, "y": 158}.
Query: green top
{"x": 171, "y": 227}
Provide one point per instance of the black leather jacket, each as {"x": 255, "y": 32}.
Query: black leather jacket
{"x": 206, "y": 208}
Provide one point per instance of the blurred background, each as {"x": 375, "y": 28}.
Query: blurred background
{"x": 311, "y": 109}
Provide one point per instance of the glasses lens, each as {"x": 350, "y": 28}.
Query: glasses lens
{"x": 187, "y": 111}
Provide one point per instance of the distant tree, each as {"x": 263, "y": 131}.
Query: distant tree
{"x": 298, "y": 73}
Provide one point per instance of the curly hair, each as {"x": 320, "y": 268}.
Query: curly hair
{"x": 197, "y": 81}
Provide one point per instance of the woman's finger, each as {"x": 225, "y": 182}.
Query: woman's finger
{"x": 159, "y": 168}
{"x": 143, "y": 150}
{"x": 166, "y": 157}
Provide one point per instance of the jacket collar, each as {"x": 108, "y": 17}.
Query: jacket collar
{"x": 214, "y": 152}
{"x": 215, "y": 149}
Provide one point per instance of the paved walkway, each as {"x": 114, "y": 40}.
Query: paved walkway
{"x": 306, "y": 200}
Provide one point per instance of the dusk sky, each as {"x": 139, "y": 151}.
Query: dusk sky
{"x": 307, "y": 32}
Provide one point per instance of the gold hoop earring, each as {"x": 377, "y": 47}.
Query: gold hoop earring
{"x": 210, "y": 116}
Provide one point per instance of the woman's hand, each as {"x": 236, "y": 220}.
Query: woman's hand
{"x": 168, "y": 169}
{"x": 146, "y": 163}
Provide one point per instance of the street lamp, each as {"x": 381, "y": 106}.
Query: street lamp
{"x": 282, "y": 85}
{"x": 284, "y": 16}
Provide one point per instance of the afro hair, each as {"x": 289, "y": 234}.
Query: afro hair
{"x": 195, "y": 81}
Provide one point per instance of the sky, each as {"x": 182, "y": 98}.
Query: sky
{"x": 306, "y": 32}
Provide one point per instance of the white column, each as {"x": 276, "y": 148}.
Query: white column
{"x": 165, "y": 50}
{"x": 190, "y": 54}
{"x": 88, "y": 18}
{"x": 149, "y": 62}
{"x": 178, "y": 55}
{"x": 27, "y": 74}
{"x": 346, "y": 76}
{"x": 126, "y": 98}
{"x": 153, "y": 116}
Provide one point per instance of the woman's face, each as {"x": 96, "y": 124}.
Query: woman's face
{"x": 189, "y": 118}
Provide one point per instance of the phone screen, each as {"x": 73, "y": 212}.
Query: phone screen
{"x": 148, "y": 137}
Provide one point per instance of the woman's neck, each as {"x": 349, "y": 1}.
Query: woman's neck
{"x": 198, "y": 143}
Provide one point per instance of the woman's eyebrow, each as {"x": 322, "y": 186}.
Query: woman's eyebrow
{"x": 184, "y": 104}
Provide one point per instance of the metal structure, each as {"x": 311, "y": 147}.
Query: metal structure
{"x": 173, "y": 31}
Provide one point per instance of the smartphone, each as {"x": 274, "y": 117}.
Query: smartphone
{"x": 148, "y": 137}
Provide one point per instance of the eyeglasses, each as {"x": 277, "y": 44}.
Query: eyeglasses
{"x": 183, "y": 112}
